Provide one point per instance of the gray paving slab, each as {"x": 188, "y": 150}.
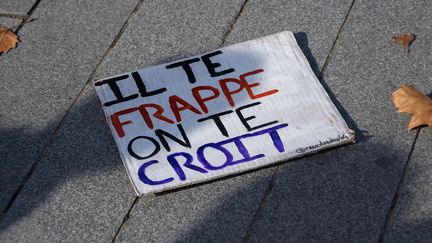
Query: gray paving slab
{"x": 168, "y": 30}
{"x": 43, "y": 75}
{"x": 315, "y": 23}
{"x": 411, "y": 219}
{"x": 80, "y": 190}
{"x": 16, "y": 6}
{"x": 344, "y": 195}
{"x": 219, "y": 211}
{"x": 10, "y": 23}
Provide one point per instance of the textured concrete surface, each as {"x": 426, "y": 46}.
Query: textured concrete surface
{"x": 10, "y": 23}
{"x": 214, "y": 212}
{"x": 167, "y": 30}
{"x": 42, "y": 77}
{"x": 79, "y": 190}
{"x": 316, "y": 24}
{"x": 345, "y": 194}
{"x": 411, "y": 220}
{"x": 16, "y": 6}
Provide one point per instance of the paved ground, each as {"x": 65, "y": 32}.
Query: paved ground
{"x": 58, "y": 184}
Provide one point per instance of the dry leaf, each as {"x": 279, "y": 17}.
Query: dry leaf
{"x": 409, "y": 100}
{"x": 8, "y": 39}
{"x": 404, "y": 40}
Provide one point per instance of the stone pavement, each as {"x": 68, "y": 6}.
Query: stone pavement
{"x": 58, "y": 184}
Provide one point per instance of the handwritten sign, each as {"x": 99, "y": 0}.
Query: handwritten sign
{"x": 231, "y": 110}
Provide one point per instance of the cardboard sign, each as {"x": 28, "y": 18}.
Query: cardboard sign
{"x": 231, "y": 110}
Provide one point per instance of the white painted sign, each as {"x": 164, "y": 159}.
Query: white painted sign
{"x": 231, "y": 110}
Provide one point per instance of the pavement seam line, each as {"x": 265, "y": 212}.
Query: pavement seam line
{"x": 125, "y": 219}
{"x": 396, "y": 196}
{"x": 29, "y": 14}
{"x": 272, "y": 180}
{"x": 57, "y": 128}
{"x": 261, "y": 204}
{"x": 333, "y": 48}
{"x": 231, "y": 26}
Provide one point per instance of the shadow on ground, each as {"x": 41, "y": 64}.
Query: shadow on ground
{"x": 327, "y": 192}
{"x": 341, "y": 195}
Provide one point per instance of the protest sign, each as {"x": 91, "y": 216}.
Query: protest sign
{"x": 231, "y": 110}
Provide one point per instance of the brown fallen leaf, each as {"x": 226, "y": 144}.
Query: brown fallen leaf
{"x": 404, "y": 40}
{"x": 409, "y": 100}
{"x": 8, "y": 39}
